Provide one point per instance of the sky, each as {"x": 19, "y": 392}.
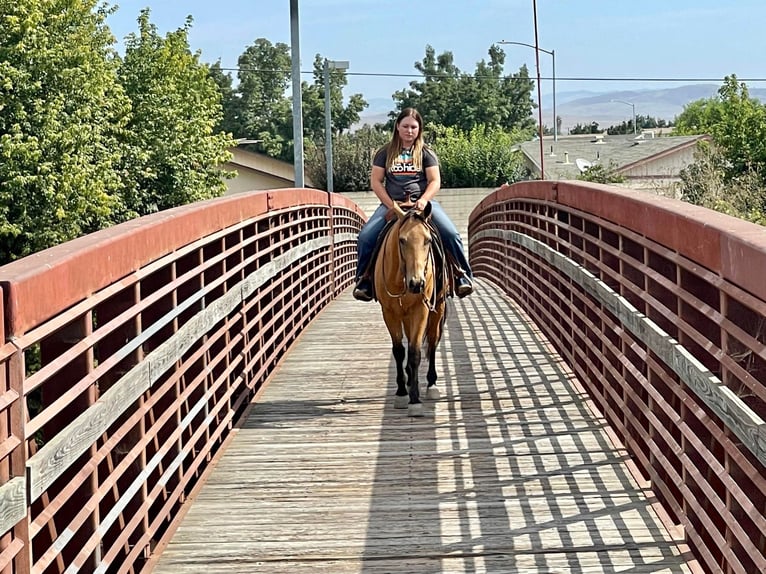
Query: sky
{"x": 599, "y": 45}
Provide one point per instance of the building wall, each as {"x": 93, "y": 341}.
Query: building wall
{"x": 256, "y": 171}
{"x": 248, "y": 179}
{"x": 666, "y": 166}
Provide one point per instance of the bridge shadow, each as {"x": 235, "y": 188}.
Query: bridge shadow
{"x": 510, "y": 471}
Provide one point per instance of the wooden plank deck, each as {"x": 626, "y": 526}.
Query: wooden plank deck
{"x": 510, "y": 471}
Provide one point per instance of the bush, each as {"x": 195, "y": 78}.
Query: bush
{"x": 352, "y": 155}
{"x": 705, "y": 183}
{"x": 483, "y": 157}
{"x": 599, "y": 173}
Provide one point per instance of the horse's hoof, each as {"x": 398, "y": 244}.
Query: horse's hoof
{"x": 415, "y": 410}
{"x": 433, "y": 393}
{"x": 401, "y": 402}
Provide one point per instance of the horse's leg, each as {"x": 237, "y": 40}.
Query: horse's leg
{"x": 434, "y": 335}
{"x": 401, "y": 400}
{"x": 394, "y": 325}
{"x": 415, "y": 327}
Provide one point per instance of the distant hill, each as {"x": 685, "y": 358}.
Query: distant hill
{"x": 584, "y": 107}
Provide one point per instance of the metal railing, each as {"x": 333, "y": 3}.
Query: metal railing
{"x": 659, "y": 308}
{"x": 128, "y": 356}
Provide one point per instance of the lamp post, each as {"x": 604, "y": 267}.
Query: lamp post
{"x": 329, "y": 65}
{"x": 633, "y": 107}
{"x": 553, "y": 58}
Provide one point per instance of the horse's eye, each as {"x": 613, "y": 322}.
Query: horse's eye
{"x": 402, "y": 242}
{"x": 427, "y": 241}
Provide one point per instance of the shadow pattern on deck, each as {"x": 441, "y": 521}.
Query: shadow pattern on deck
{"x": 509, "y": 472}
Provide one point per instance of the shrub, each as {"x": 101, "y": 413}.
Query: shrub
{"x": 482, "y": 157}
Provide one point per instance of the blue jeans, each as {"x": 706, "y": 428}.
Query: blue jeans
{"x": 368, "y": 236}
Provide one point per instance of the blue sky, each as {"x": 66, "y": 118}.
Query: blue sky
{"x": 617, "y": 39}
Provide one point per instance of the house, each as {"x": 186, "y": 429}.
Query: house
{"x": 258, "y": 171}
{"x": 646, "y": 161}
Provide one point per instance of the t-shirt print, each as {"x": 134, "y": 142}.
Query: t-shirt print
{"x": 403, "y": 167}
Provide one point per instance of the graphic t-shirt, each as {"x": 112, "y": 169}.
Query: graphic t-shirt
{"x": 402, "y": 180}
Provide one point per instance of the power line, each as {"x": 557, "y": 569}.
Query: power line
{"x": 479, "y": 77}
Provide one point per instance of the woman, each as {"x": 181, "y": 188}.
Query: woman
{"x": 406, "y": 170}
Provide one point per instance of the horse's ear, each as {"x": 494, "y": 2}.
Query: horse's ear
{"x": 427, "y": 210}
{"x": 398, "y": 210}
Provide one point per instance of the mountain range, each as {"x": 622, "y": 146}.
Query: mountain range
{"x": 584, "y": 107}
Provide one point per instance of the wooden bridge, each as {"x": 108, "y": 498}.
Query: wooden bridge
{"x": 510, "y": 471}
{"x": 197, "y": 392}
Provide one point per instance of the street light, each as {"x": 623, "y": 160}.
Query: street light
{"x": 553, "y": 58}
{"x": 329, "y": 65}
{"x": 633, "y": 106}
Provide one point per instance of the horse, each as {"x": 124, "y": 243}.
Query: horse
{"x": 413, "y": 305}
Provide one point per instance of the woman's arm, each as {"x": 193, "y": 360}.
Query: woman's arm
{"x": 433, "y": 175}
{"x": 377, "y": 183}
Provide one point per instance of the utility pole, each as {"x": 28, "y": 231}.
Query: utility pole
{"x": 295, "y": 54}
{"x": 329, "y": 65}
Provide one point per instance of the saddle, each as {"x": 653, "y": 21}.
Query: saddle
{"x": 446, "y": 269}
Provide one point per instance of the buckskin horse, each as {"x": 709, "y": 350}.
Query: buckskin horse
{"x": 410, "y": 285}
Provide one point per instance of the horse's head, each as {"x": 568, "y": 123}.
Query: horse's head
{"x": 414, "y": 247}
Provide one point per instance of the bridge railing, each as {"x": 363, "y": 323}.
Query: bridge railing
{"x": 128, "y": 355}
{"x": 659, "y": 307}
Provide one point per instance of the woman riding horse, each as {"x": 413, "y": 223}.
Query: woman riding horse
{"x": 407, "y": 171}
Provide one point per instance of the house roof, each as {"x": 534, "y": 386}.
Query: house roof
{"x": 620, "y": 151}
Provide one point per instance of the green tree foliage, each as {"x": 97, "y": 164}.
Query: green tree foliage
{"x": 60, "y": 110}
{"x": 698, "y": 116}
{"x": 642, "y": 122}
{"x": 730, "y": 174}
{"x": 230, "y": 101}
{"x": 591, "y": 128}
{"x": 258, "y": 107}
{"x": 343, "y": 117}
{"x": 481, "y": 157}
{"x": 261, "y": 106}
{"x": 352, "y": 159}
{"x": 736, "y": 122}
{"x": 448, "y": 97}
{"x": 173, "y": 154}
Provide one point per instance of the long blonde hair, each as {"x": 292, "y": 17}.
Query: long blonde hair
{"x": 394, "y": 147}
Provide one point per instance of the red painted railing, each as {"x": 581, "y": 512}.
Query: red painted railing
{"x": 659, "y": 307}
{"x": 127, "y": 356}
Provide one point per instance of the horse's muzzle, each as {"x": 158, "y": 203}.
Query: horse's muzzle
{"x": 416, "y": 285}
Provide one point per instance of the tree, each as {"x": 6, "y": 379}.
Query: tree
{"x": 230, "y": 101}
{"x": 642, "y": 122}
{"x": 264, "y": 110}
{"x": 60, "y": 110}
{"x": 343, "y": 117}
{"x": 450, "y": 98}
{"x": 591, "y": 128}
{"x": 735, "y": 121}
{"x": 173, "y": 155}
